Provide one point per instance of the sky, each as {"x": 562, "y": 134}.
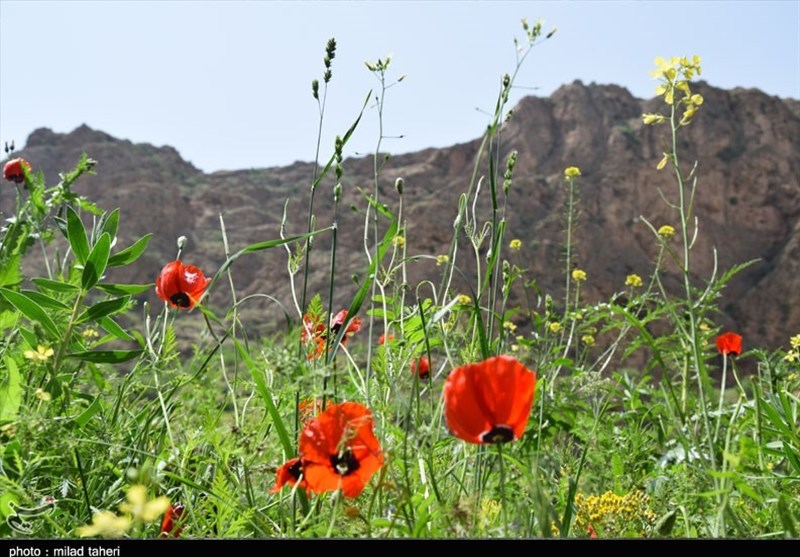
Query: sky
{"x": 228, "y": 84}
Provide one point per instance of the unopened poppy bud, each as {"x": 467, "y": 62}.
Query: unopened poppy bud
{"x": 181, "y": 242}
{"x": 398, "y": 185}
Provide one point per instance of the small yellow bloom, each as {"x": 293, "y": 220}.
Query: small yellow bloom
{"x": 464, "y": 300}
{"x": 792, "y": 356}
{"x": 696, "y": 99}
{"x": 442, "y": 260}
{"x": 770, "y": 466}
{"x": 666, "y": 231}
{"x": 572, "y": 172}
{"x": 106, "y": 524}
{"x": 649, "y": 119}
{"x": 90, "y": 333}
{"x": 795, "y": 341}
{"x": 704, "y": 327}
{"x": 515, "y": 347}
{"x": 399, "y": 241}
{"x": 42, "y": 354}
{"x": 140, "y": 508}
{"x": 43, "y": 395}
{"x": 588, "y": 340}
{"x": 9, "y": 430}
{"x": 555, "y": 327}
{"x": 578, "y": 275}
{"x": 515, "y": 244}
{"x": 792, "y": 377}
{"x": 509, "y": 326}
{"x": 634, "y": 280}
{"x": 663, "y": 162}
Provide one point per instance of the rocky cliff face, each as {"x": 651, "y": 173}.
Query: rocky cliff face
{"x": 747, "y": 144}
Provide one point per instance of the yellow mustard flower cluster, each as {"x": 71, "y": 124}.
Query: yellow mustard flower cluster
{"x": 579, "y": 275}
{"x": 515, "y": 244}
{"x": 612, "y": 515}
{"x": 399, "y": 241}
{"x": 793, "y": 355}
{"x": 137, "y": 509}
{"x": 666, "y": 232}
{"x": 509, "y": 326}
{"x": 572, "y": 172}
{"x": 634, "y": 281}
{"x": 40, "y": 355}
{"x": 442, "y": 260}
{"x": 464, "y": 300}
{"x": 588, "y": 340}
{"x": 555, "y": 327}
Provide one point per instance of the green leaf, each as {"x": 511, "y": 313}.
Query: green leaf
{"x": 786, "y": 517}
{"x": 87, "y": 414}
{"x": 96, "y": 263}
{"x": 114, "y": 329}
{"x": 10, "y": 391}
{"x": 10, "y": 272}
{"x": 30, "y": 309}
{"x": 105, "y": 356}
{"x": 124, "y": 289}
{"x": 77, "y": 236}
{"x": 131, "y": 253}
{"x": 101, "y": 309}
{"x": 55, "y": 286}
{"x": 109, "y": 223}
{"x": 44, "y": 300}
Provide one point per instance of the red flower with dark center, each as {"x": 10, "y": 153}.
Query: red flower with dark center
{"x": 290, "y": 473}
{"x": 489, "y": 402}
{"x": 13, "y": 171}
{"x": 729, "y": 343}
{"x": 171, "y": 517}
{"x": 421, "y": 367}
{"x": 339, "y": 449}
{"x": 338, "y": 322}
{"x": 181, "y": 285}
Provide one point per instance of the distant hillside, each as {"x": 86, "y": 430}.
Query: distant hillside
{"x": 748, "y": 201}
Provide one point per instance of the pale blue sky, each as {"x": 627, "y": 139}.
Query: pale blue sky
{"x": 228, "y": 84}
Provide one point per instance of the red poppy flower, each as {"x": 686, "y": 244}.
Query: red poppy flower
{"x": 489, "y": 402}
{"x": 382, "y": 339}
{"x": 172, "y": 516}
{"x": 13, "y": 172}
{"x": 729, "y": 343}
{"x": 181, "y": 285}
{"x": 290, "y": 473}
{"x": 339, "y": 449}
{"x": 314, "y": 331}
{"x": 422, "y": 367}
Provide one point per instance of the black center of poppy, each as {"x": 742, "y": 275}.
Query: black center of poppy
{"x": 345, "y": 463}
{"x": 181, "y": 299}
{"x": 335, "y": 327}
{"x": 295, "y": 470}
{"x": 498, "y": 434}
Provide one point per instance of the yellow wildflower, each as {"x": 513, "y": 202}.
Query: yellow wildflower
{"x": 464, "y": 300}
{"x": 399, "y": 241}
{"x": 649, "y": 119}
{"x": 43, "y": 395}
{"x": 578, "y": 275}
{"x": 142, "y": 509}
{"x": 555, "y": 327}
{"x": 795, "y": 341}
{"x": 663, "y": 162}
{"x": 90, "y": 333}
{"x": 666, "y": 231}
{"x": 442, "y": 260}
{"x": 41, "y": 354}
{"x": 572, "y": 172}
{"x": 515, "y": 244}
{"x": 634, "y": 280}
{"x": 106, "y": 524}
{"x": 509, "y": 326}
{"x": 588, "y": 340}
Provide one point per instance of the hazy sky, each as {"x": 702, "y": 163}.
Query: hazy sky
{"x": 228, "y": 83}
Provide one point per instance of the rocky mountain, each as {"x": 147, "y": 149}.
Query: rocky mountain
{"x": 748, "y": 202}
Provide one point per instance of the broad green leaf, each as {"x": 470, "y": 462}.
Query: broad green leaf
{"x": 105, "y": 356}
{"x": 10, "y": 391}
{"x": 110, "y": 223}
{"x": 10, "y": 273}
{"x": 124, "y": 289}
{"x": 44, "y": 300}
{"x": 77, "y": 236}
{"x": 54, "y": 285}
{"x": 114, "y": 329}
{"x": 30, "y": 309}
{"x": 131, "y": 253}
{"x": 96, "y": 262}
{"x": 87, "y": 414}
{"x": 101, "y": 309}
